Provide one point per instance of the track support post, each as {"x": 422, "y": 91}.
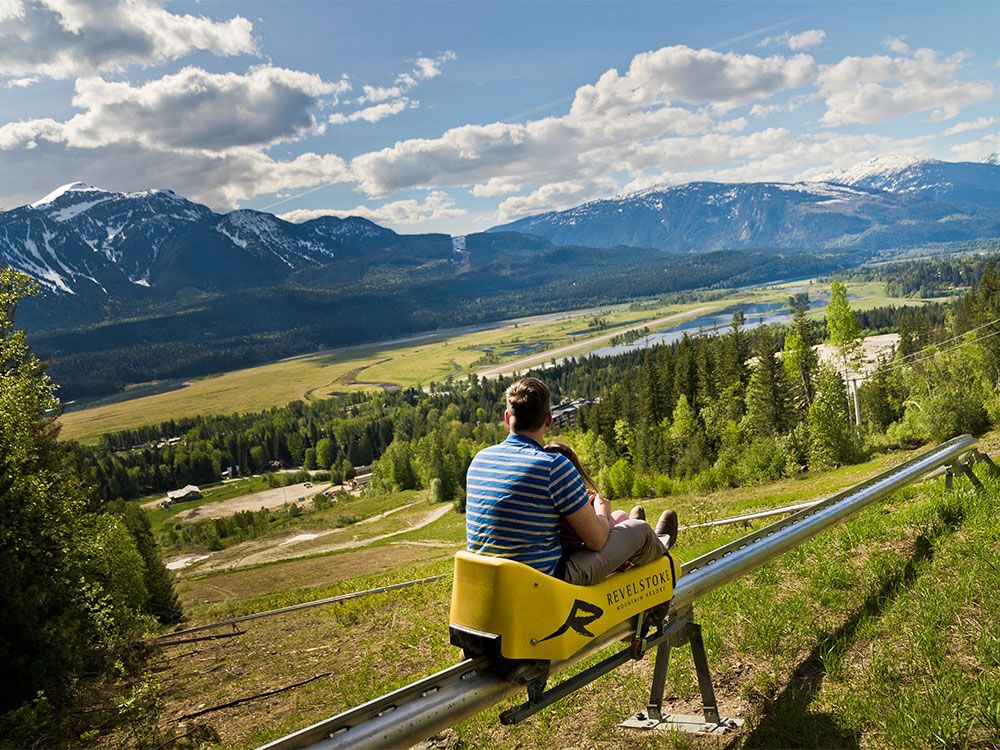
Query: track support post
{"x": 711, "y": 722}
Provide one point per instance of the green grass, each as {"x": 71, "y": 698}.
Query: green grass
{"x": 317, "y": 375}
{"x": 881, "y": 632}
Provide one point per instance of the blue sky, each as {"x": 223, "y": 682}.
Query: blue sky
{"x": 457, "y": 116}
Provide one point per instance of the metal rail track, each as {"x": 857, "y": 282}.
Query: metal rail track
{"x": 422, "y": 708}
{"x": 168, "y": 638}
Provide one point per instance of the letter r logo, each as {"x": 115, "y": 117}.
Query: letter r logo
{"x": 580, "y": 616}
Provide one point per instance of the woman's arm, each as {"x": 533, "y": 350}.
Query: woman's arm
{"x": 591, "y": 522}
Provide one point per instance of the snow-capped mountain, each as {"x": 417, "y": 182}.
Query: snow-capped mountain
{"x": 878, "y": 205}
{"x": 963, "y": 183}
{"x": 82, "y": 239}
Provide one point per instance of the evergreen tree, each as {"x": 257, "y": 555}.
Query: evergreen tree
{"x": 767, "y": 398}
{"x": 799, "y": 358}
{"x": 688, "y": 440}
{"x": 162, "y": 603}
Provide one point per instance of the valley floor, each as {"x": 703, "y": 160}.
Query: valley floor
{"x": 882, "y": 632}
{"x": 512, "y": 345}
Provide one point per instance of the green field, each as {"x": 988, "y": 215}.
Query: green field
{"x": 413, "y": 362}
{"x": 881, "y": 632}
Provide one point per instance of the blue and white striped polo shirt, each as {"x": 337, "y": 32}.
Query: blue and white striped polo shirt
{"x": 516, "y": 494}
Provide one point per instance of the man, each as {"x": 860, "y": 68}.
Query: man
{"x": 517, "y": 493}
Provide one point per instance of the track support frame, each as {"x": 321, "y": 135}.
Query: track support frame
{"x": 686, "y": 632}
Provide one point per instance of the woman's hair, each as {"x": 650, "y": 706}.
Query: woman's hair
{"x": 571, "y": 455}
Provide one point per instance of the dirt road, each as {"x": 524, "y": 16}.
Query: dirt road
{"x": 526, "y": 362}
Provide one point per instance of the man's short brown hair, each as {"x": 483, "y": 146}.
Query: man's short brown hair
{"x": 528, "y": 403}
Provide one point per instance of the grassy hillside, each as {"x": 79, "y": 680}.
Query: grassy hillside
{"x": 882, "y": 632}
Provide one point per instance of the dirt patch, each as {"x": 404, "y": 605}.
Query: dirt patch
{"x": 274, "y": 549}
{"x": 273, "y": 498}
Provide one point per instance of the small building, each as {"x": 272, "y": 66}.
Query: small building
{"x": 566, "y": 414}
{"x": 190, "y": 492}
{"x": 361, "y": 480}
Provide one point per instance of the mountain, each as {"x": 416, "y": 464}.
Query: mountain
{"x": 149, "y": 285}
{"x": 83, "y": 240}
{"x": 961, "y": 183}
{"x": 878, "y": 205}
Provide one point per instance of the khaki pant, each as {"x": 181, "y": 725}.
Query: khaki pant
{"x": 632, "y": 540}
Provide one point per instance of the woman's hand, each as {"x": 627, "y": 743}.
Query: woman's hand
{"x": 601, "y": 506}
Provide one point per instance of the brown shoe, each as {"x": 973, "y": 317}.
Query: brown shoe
{"x": 638, "y": 513}
{"x": 667, "y": 526}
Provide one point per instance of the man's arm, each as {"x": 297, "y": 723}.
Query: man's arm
{"x": 591, "y": 523}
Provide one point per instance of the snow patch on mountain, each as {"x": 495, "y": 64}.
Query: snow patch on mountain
{"x": 882, "y": 167}
{"x": 62, "y": 190}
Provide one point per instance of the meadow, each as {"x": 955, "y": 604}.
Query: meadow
{"x": 881, "y": 632}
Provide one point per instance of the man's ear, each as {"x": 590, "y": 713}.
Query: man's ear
{"x": 506, "y": 417}
{"x": 548, "y": 419}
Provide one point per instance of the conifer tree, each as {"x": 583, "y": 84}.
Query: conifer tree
{"x": 799, "y": 357}
{"x": 767, "y": 397}
{"x": 688, "y": 440}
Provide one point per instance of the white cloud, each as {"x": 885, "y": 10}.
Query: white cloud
{"x": 430, "y": 67}
{"x": 555, "y": 196}
{"x": 34, "y": 157}
{"x": 965, "y": 127}
{"x": 698, "y": 76}
{"x": 765, "y": 110}
{"x": 605, "y": 119}
{"x": 495, "y": 186}
{"x": 11, "y": 9}
{"x": 806, "y": 39}
{"x": 978, "y": 150}
{"x": 732, "y": 126}
{"x": 552, "y": 149}
{"x": 372, "y": 94}
{"x": 21, "y": 83}
{"x": 896, "y": 44}
{"x": 65, "y": 38}
{"x": 194, "y": 109}
{"x": 436, "y": 205}
{"x": 391, "y": 100}
{"x": 375, "y": 112}
{"x": 28, "y": 133}
{"x": 879, "y": 88}
{"x": 795, "y": 42}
